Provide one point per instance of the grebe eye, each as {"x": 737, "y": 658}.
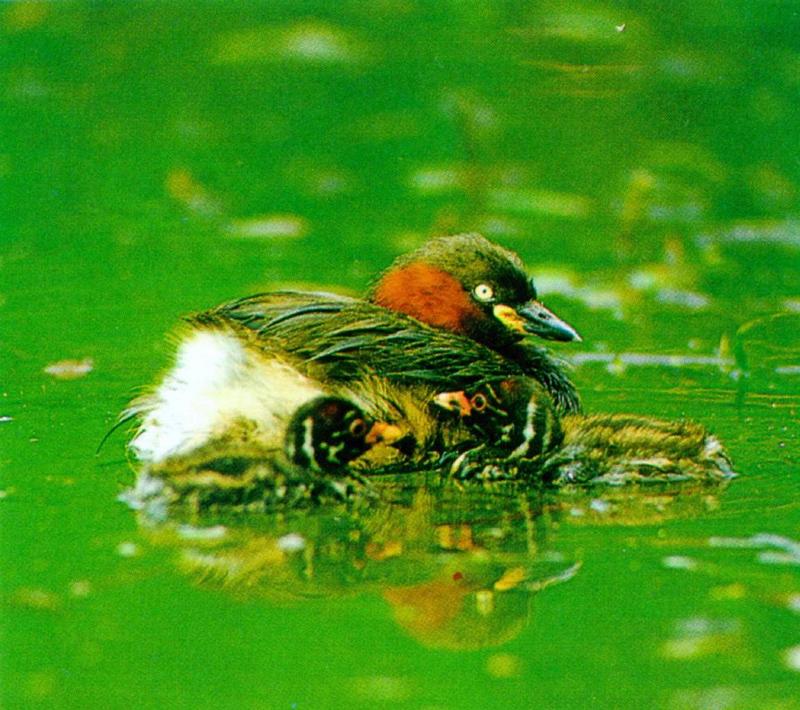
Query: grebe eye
{"x": 479, "y": 402}
{"x": 483, "y": 292}
{"x": 358, "y": 427}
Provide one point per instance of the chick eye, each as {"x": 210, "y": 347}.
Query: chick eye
{"x": 483, "y": 292}
{"x": 478, "y": 402}
{"x": 358, "y": 427}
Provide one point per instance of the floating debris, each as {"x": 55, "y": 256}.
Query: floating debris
{"x": 577, "y": 26}
{"x": 598, "y": 505}
{"x": 308, "y": 42}
{"x": 511, "y": 578}
{"x": 696, "y": 67}
{"x": 784, "y": 233}
{"x": 80, "y": 588}
{"x": 728, "y": 592}
{"x": 499, "y": 226}
{"x": 687, "y": 212}
{"x": 679, "y": 562}
{"x": 70, "y": 369}
{"x": 385, "y": 551}
{"x": 269, "y": 227}
{"x": 127, "y": 549}
{"x": 292, "y": 542}
{"x": 565, "y": 283}
{"x": 791, "y": 658}
{"x": 36, "y": 599}
{"x": 708, "y": 699}
{"x": 504, "y": 665}
{"x": 184, "y": 188}
{"x": 533, "y": 201}
{"x": 538, "y": 585}
{"x": 778, "y": 558}
{"x": 788, "y": 550}
{"x": 435, "y": 180}
{"x": 685, "y": 299}
{"x": 383, "y": 689}
{"x": 190, "y": 532}
{"x": 326, "y": 183}
{"x": 484, "y": 602}
{"x": 651, "y": 360}
{"x": 700, "y": 637}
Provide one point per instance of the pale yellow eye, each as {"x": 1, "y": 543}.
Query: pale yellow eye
{"x": 483, "y": 292}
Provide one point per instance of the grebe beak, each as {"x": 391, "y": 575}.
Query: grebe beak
{"x": 533, "y": 317}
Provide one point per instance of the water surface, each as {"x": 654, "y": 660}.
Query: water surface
{"x": 158, "y": 158}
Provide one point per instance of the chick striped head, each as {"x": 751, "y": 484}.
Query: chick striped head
{"x": 327, "y": 433}
{"x": 514, "y": 414}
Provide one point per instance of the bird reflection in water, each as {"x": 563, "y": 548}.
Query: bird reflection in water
{"x": 458, "y": 568}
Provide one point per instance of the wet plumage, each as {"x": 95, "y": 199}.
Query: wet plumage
{"x": 607, "y": 448}
{"x": 231, "y": 388}
{"x": 454, "y": 310}
{"x": 244, "y": 367}
{"x": 340, "y": 339}
{"x": 322, "y": 439}
{"x": 621, "y": 448}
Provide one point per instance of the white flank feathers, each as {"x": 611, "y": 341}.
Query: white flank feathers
{"x": 216, "y": 383}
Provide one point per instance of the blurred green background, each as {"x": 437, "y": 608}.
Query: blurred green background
{"x": 157, "y": 158}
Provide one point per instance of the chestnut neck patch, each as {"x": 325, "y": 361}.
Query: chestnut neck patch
{"x": 428, "y": 294}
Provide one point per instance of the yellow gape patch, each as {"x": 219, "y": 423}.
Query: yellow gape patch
{"x": 509, "y": 317}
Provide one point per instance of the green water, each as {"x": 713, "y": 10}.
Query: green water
{"x": 158, "y": 158}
